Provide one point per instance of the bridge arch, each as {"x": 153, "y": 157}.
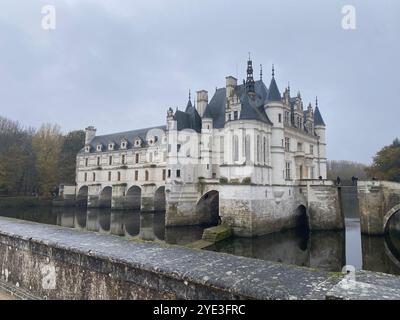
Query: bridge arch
{"x": 159, "y": 199}
{"x": 388, "y": 216}
{"x": 82, "y": 196}
{"x": 208, "y": 207}
{"x": 133, "y": 198}
{"x": 302, "y": 219}
{"x": 105, "y": 197}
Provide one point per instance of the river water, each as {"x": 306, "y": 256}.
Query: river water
{"x": 324, "y": 250}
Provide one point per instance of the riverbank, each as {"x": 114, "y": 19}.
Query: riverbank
{"x": 24, "y": 202}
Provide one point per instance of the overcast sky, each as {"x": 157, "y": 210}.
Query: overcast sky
{"x": 118, "y": 65}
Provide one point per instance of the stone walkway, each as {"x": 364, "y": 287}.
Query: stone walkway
{"x": 6, "y": 296}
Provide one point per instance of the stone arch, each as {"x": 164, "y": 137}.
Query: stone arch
{"x": 207, "y": 207}
{"x": 159, "y": 199}
{"x": 302, "y": 219}
{"x": 105, "y": 197}
{"x": 133, "y": 198}
{"x": 82, "y": 196}
{"x": 388, "y": 216}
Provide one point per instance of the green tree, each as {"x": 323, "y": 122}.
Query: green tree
{"x": 73, "y": 142}
{"x": 16, "y": 170}
{"x": 47, "y": 144}
{"x": 386, "y": 164}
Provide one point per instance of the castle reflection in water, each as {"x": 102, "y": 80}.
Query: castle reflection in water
{"x": 324, "y": 250}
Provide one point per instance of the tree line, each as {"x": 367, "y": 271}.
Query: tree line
{"x": 385, "y": 166}
{"x": 35, "y": 162}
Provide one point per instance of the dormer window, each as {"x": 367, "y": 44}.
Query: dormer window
{"x": 152, "y": 140}
{"x": 138, "y": 142}
{"x": 99, "y": 147}
{"x": 111, "y": 146}
{"x": 124, "y": 144}
{"x": 87, "y": 148}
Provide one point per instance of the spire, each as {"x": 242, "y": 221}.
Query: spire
{"x": 189, "y": 104}
{"x": 261, "y": 72}
{"x": 316, "y": 102}
{"x": 318, "y": 121}
{"x": 250, "y": 78}
{"x": 273, "y": 91}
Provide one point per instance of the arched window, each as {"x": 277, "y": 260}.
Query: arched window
{"x": 235, "y": 148}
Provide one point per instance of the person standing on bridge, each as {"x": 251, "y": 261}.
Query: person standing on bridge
{"x": 338, "y": 181}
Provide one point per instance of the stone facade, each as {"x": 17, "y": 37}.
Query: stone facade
{"x": 243, "y": 155}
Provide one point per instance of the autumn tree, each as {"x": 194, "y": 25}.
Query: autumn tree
{"x": 47, "y": 144}
{"x": 386, "y": 164}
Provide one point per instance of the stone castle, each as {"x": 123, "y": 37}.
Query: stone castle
{"x": 249, "y": 157}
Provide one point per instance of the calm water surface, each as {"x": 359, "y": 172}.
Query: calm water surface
{"x": 325, "y": 250}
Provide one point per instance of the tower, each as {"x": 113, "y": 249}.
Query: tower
{"x": 275, "y": 109}
{"x": 320, "y": 129}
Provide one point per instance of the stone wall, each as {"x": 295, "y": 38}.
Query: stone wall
{"x": 253, "y": 210}
{"x": 376, "y": 200}
{"x": 52, "y": 262}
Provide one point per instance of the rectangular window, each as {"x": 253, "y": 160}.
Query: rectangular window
{"x": 123, "y": 159}
{"x": 109, "y": 175}
{"x": 85, "y": 176}
{"x": 119, "y": 176}
{"x": 311, "y": 149}
{"x": 235, "y": 115}
{"x": 286, "y": 117}
{"x": 178, "y": 173}
{"x": 280, "y": 117}
{"x": 299, "y": 146}
{"x": 136, "y": 175}
{"x": 86, "y": 162}
{"x": 287, "y": 144}
{"x": 110, "y": 160}
{"x": 98, "y": 161}
{"x": 288, "y": 171}
{"x": 163, "y": 174}
{"x": 137, "y": 158}
{"x": 178, "y": 147}
{"x": 169, "y": 173}
{"x": 312, "y": 172}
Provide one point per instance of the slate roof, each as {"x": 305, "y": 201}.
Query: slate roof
{"x": 273, "y": 92}
{"x": 188, "y": 119}
{"x": 118, "y": 137}
{"x": 318, "y": 121}
{"x": 252, "y": 109}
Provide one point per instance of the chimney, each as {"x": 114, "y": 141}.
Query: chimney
{"x": 90, "y": 133}
{"x": 202, "y": 101}
{"x": 231, "y": 83}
